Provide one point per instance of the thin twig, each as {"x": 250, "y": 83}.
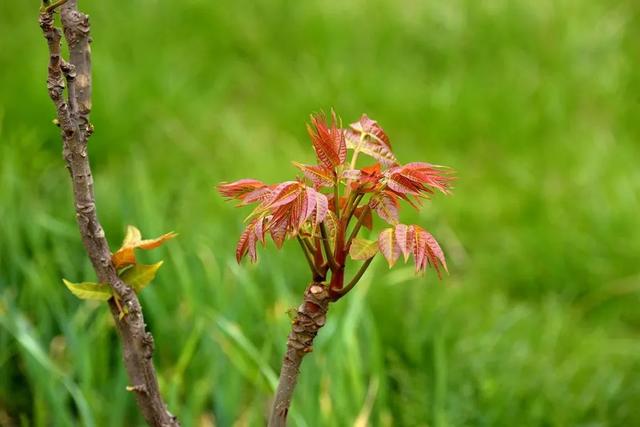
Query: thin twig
{"x": 354, "y": 281}
{"x": 310, "y": 247}
{"x": 48, "y": 8}
{"x": 354, "y": 206}
{"x": 327, "y": 248}
{"x": 356, "y": 228}
{"x": 314, "y": 271}
{"x": 336, "y": 200}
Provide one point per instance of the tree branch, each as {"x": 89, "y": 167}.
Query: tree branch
{"x": 311, "y": 316}
{"x": 73, "y": 119}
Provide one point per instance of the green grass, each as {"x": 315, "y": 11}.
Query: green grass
{"x": 535, "y": 104}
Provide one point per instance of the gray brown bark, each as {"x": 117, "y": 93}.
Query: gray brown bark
{"x": 73, "y": 119}
{"x": 310, "y": 317}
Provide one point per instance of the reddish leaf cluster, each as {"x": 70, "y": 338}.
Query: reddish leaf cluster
{"x": 411, "y": 240}
{"x": 367, "y": 136}
{"x": 319, "y": 175}
{"x": 247, "y": 191}
{"x": 322, "y": 221}
{"x": 283, "y": 210}
{"x": 328, "y": 141}
{"x": 417, "y": 179}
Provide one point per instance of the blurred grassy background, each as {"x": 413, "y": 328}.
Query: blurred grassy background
{"x": 534, "y": 103}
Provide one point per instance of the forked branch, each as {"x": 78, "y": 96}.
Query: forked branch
{"x": 73, "y": 119}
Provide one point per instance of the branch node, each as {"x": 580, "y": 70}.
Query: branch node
{"x": 140, "y": 388}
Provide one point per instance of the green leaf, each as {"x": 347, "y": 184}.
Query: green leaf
{"x": 89, "y": 290}
{"x": 363, "y": 249}
{"x": 140, "y": 275}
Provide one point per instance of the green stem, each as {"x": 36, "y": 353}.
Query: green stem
{"x": 355, "y": 157}
{"x": 48, "y": 8}
{"x": 356, "y": 151}
{"x": 316, "y": 273}
{"x": 310, "y": 247}
{"x": 327, "y": 248}
{"x": 356, "y": 229}
{"x": 353, "y": 208}
{"x": 352, "y": 165}
{"x": 336, "y": 199}
{"x": 342, "y": 292}
{"x": 347, "y": 206}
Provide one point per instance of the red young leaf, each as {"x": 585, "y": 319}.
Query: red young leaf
{"x": 352, "y": 174}
{"x": 371, "y": 128}
{"x": 298, "y": 211}
{"x": 368, "y": 137}
{"x": 364, "y": 180}
{"x": 322, "y": 208}
{"x": 245, "y": 190}
{"x": 318, "y": 174}
{"x": 283, "y": 194}
{"x": 435, "y": 253}
{"x": 251, "y": 246}
{"x": 341, "y": 202}
{"x": 260, "y": 229}
{"x": 419, "y": 247}
{"x": 427, "y": 251}
{"x": 257, "y": 195}
{"x": 387, "y": 207}
{"x": 310, "y": 203}
{"x": 278, "y": 233}
{"x": 290, "y": 205}
{"x": 402, "y": 185}
{"x": 367, "y": 172}
{"x": 389, "y": 246}
{"x": 404, "y": 237}
{"x": 328, "y": 140}
{"x": 367, "y": 221}
{"x": 418, "y": 179}
{"x": 247, "y": 242}
{"x": 372, "y": 171}
{"x": 437, "y": 177}
{"x": 315, "y": 206}
{"x": 414, "y": 240}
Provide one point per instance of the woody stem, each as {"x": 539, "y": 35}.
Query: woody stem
{"x": 311, "y": 316}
